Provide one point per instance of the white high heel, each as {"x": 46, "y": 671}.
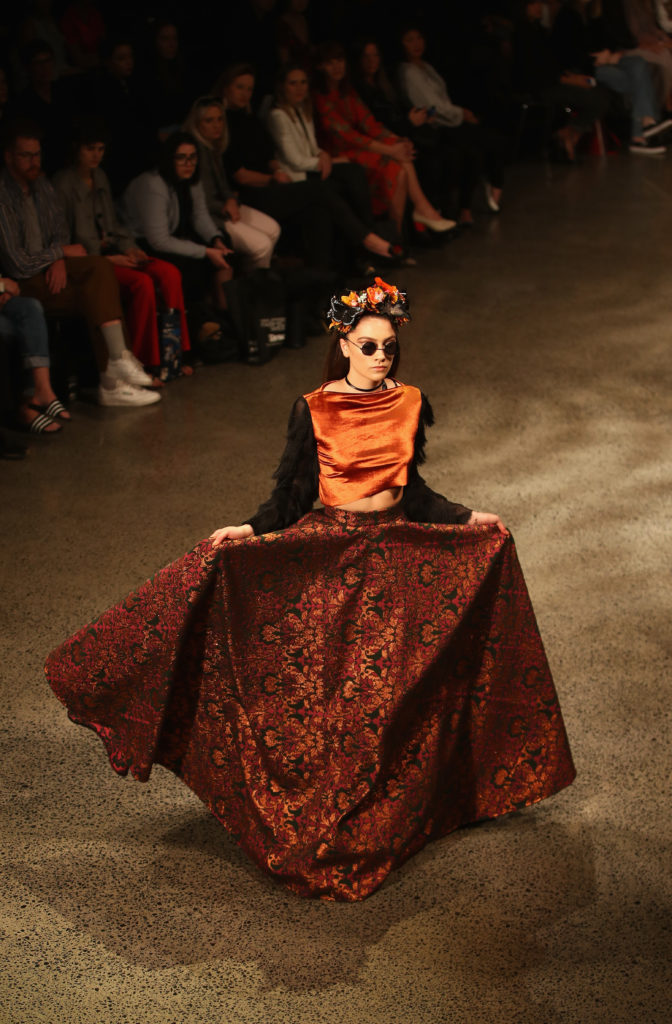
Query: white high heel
{"x": 438, "y": 224}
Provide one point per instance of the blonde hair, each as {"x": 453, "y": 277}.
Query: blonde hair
{"x": 194, "y": 117}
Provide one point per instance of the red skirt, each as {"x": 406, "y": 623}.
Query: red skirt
{"x": 338, "y": 693}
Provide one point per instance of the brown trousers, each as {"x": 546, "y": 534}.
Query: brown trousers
{"x": 92, "y": 292}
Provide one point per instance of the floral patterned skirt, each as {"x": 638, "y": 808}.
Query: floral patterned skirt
{"x": 337, "y": 693}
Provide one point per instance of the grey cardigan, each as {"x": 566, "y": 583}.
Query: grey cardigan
{"x": 216, "y": 187}
{"x": 79, "y": 206}
{"x": 151, "y": 209}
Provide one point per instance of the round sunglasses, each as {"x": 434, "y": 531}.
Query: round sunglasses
{"x": 369, "y": 348}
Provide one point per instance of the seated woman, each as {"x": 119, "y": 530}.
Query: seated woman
{"x": 386, "y": 104}
{"x": 252, "y": 233}
{"x": 166, "y": 209}
{"x": 479, "y": 151}
{"x": 339, "y": 685}
{"x": 346, "y": 128}
{"x": 22, "y": 319}
{"x": 262, "y": 184}
{"x": 86, "y": 197}
{"x": 344, "y": 184}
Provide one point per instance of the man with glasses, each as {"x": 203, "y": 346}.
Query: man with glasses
{"x": 35, "y": 252}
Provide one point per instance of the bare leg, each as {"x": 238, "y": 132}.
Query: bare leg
{"x": 374, "y": 243}
{"x": 44, "y": 393}
{"x": 421, "y": 203}
{"x": 221, "y": 277}
{"x": 398, "y": 202}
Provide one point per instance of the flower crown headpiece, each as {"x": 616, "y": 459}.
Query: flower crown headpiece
{"x": 381, "y": 298}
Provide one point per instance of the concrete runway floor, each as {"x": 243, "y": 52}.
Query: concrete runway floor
{"x": 543, "y": 340}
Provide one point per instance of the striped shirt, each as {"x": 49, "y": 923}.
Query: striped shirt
{"x": 18, "y": 258}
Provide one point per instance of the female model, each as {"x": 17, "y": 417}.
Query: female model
{"x": 338, "y": 685}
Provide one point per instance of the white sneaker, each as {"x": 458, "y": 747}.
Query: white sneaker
{"x": 647, "y": 148}
{"x": 117, "y": 392}
{"x": 128, "y": 369}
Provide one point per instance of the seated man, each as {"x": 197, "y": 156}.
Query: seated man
{"x": 34, "y": 251}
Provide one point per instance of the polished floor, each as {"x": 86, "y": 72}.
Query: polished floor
{"x": 543, "y": 339}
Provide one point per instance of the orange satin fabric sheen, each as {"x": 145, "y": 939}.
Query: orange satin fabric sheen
{"x": 364, "y": 442}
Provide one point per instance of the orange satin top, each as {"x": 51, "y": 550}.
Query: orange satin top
{"x": 365, "y": 442}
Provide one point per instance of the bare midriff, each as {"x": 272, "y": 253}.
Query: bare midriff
{"x": 375, "y": 502}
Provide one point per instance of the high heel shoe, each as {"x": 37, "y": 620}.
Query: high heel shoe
{"x": 439, "y": 224}
{"x": 493, "y": 204}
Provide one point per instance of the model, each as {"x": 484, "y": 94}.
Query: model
{"x": 339, "y": 685}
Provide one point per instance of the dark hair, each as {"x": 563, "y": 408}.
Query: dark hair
{"x": 230, "y": 73}
{"x": 336, "y": 365}
{"x": 283, "y": 74}
{"x": 330, "y": 51}
{"x": 110, "y": 43}
{"x": 20, "y": 128}
{"x": 166, "y": 162}
{"x": 88, "y": 129}
{"x": 381, "y": 79}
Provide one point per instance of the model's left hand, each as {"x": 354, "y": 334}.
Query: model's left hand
{"x": 487, "y": 519}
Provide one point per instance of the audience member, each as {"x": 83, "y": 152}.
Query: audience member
{"x": 83, "y": 29}
{"x": 23, "y": 319}
{"x": 45, "y": 102}
{"x": 119, "y": 100}
{"x": 433, "y": 163}
{"x": 347, "y": 128}
{"x": 538, "y": 76}
{"x": 166, "y": 210}
{"x": 588, "y": 47}
{"x": 344, "y": 184}
{"x": 252, "y": 233}
{"x": 479, "y": 150}
{"x": 167, "y": 83}
{"x": 262, "y": 184}
{"x": 35, "y": 252}
{"x": 294, "y": 44}
{"x": 40, "y": 25}
{"x": 653, "y": 44}
{"x": 86, "y": 197}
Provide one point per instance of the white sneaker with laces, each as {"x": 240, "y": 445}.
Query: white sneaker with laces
{"x": 647, "y": 148}
{"x": 128, "y": 369}
{"x": 118, "y": 392}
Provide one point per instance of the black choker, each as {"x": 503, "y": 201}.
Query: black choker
{"x": 379, "y": 387}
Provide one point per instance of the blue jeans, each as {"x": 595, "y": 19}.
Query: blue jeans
{"x": 24, "y": 319}
{"x": 631, "y": 77}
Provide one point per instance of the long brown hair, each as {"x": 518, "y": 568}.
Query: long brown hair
{"x": 280, "y": 98}
{"x": 336, "y": 365}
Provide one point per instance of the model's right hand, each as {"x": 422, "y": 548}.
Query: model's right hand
{"x": 231, "y": 533}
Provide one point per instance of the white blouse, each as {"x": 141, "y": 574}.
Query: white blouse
{"x": 296, "y": 147}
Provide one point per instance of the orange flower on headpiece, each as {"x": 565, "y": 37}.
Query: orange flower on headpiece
{"x": 391, "y": 289}
{"x": 379, "y": 298}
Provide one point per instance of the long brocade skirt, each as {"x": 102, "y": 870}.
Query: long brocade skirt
{"x": 338, "y": 693}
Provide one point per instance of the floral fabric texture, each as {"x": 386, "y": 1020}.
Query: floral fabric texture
{"x": 337, "y": 693}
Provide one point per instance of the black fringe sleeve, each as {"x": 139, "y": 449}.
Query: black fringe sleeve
{"x": 420, "y": 503}
{"x": 296, "y": 477}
